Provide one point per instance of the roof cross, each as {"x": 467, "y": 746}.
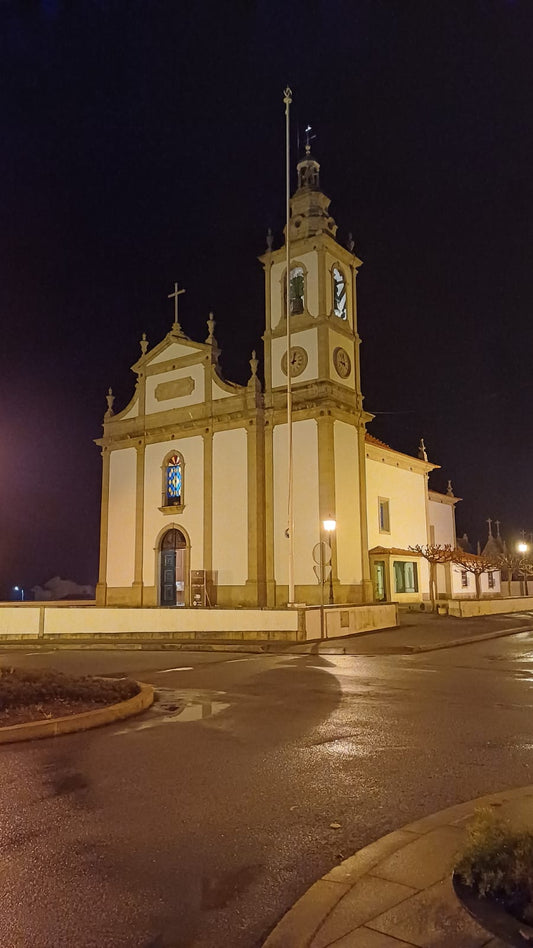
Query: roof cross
{"x": 175, "y": 325}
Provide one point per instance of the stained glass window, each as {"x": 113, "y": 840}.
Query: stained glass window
{"x": 174, "y": 480}
{"x": 339, "y": 293}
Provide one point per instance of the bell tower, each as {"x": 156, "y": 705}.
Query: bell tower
{"x": 328, "y": 420}
{"x": 322, "y": 296}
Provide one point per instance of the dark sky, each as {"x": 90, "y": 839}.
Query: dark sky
{"x": 142, "y": 142}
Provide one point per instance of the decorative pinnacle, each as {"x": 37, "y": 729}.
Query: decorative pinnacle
{"x": 287, "y": 98}
{"x": 422, "y": 453}
{"x": 144, "y": 344}
{"x": 489, "y": 521}
{"x": 350, "y": 242}
{"x": 449, "y": 490}
{"x": 269, "y": 239}
{"x": 211, "y": 327}
{"x": 110, "y": 398}
{"x": 254, "y": 362}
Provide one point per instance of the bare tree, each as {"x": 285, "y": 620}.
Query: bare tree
{"x": 515, "y": 563}
{"x": 435, "y": 554}
{"x": 476, "y": 565}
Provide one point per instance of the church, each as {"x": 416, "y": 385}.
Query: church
{"x": 195, "y": 485}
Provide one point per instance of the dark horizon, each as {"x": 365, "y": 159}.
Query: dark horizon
{"x": 145, "y": 144}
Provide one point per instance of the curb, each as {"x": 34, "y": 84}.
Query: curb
{"x": 482, "y": 637}
{"x": 300, "y": 924}
{"x": 70, "y": 724}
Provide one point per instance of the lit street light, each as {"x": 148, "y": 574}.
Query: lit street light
{"x": 329, "y": 526}
{"x": 19, "y": 589}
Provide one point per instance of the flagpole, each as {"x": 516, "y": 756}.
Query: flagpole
{"x": 290, "y": 498}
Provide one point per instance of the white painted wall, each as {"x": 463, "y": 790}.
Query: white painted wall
{"x": 407, "y": 504}
{"x": 441, "y": 517}
{"x": 348, "y": 532}
{"x": 307, "y": 339}
{"x": 191, "y": 519}
{"x": 122, "y": 503}
{"x": 195, "y": 372}
{"x": 230, "y": 507}
{"x": 306, "y": 509}
{"x": 175, "y": 350}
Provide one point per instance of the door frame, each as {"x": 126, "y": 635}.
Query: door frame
{"x": 186, "y": 568}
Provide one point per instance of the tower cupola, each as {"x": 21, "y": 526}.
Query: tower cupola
{"x": 309, "y": 205}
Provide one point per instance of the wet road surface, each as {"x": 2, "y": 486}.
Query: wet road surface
{"x": 198, "y": 824}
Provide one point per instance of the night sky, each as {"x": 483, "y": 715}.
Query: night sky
{"x": 143, "y": 142}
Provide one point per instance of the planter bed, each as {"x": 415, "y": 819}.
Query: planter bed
{"x": 30, "y": 695}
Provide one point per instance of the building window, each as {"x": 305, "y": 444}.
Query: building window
{"x": 174, "y": 481}
{"x": 492, "y": 580}
{"x": 464, "y": 579}
{"x": 339, "y": 294}
{"x": 297, "y": 291}
{"x": 405, "y": 577}
{"x": 384, "y": 515}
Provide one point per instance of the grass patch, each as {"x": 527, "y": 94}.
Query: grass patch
{"x": 498, "y": 864}
{"x": 21, "y": 688}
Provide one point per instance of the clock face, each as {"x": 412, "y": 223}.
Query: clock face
{"x": 297, "y": 361}
{"x": 341, "y": 361}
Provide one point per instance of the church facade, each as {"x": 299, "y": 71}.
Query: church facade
{"x": 195, "y": 484}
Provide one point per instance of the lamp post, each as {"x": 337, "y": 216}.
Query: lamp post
{"x": 522, "y": 548}
{"x": 19, "y": 589}
{"x": 329, "y": 526}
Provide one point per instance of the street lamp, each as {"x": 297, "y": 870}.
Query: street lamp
{"x": 522, "y": 548}
{"x": 19, "y": 589}
{"x": 329, "y": 526}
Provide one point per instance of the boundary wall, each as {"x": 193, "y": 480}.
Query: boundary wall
{"x": 56, "y": 621}
{"x": 466, "y": 608}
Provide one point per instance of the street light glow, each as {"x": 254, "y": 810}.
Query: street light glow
{"x": 522, "y": 547}
{"x": 329, "y": 525}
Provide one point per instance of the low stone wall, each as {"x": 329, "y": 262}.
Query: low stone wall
{"x": 54, "y": 621}
{"x": 350, "y": 619}
{"x": 466, "y": 608}
{"x": 70, "y": 621}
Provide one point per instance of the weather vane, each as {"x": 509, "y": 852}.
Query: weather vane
{"x": 308, "y": 139}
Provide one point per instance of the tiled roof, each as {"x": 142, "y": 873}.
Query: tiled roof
{"x": 379, "y": 444}
{"x": 396, "y": 551}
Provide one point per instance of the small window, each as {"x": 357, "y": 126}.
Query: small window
{"x": 405, "y": 577}
{"x": 174, "y": 481}
{"x": 339, "y": 294}
{"x": 464, "y": 579}
{"x": 384, "y": 515}
{"x": 492, "y": 581}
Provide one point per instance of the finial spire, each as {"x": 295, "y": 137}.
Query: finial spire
{"x": 350, "y": 243}
{"x": 422, "y": 453}
{"x": 144, "y": 344}
{"x": 498, "y": 535}
{"x": 211, "y": 327}
{"x": 269, "y": 239}
{"x": 449, "y": 490}
{"x": 110, "y": 398}
{"x": 489, "y": 521}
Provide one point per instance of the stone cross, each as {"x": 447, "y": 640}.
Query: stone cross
{"x": 175, "y": 326}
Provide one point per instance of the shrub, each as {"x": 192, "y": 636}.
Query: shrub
{"x": 498, "y": 863}
{"x": 22, "y": 687}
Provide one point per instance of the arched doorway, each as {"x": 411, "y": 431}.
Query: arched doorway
{"x": 173, "y": 568}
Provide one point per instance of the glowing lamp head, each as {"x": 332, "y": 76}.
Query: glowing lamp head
{"x": 329, "y": 525}
{"x": 522, "y": 547}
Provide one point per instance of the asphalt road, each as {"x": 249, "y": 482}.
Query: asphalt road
{"x": 199, "y": 823}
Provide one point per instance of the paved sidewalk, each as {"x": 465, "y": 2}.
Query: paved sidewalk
{"x": 397, "y": 892}
{"x": 421, "y": 632}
